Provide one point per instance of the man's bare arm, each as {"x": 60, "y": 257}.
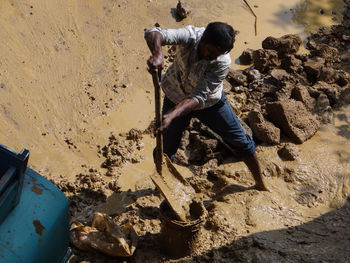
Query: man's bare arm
{"x": 185, "y": 106}
{"x": 154, "y": 42}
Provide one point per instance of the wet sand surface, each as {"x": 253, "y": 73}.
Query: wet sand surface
{"x": 74, "y": 87}
{"x": 88, "y": 58}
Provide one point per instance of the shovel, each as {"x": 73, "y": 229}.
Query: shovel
{"x": 178, "y": 193}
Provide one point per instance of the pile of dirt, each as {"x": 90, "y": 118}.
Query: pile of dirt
{"x": 120, "y": 150}
{"x": 284, "y": 98}
{"x": 90, "y": 187}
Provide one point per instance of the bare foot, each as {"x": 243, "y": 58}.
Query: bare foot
{"x": 260, "y": 187}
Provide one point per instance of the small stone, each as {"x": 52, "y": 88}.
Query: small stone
{"x": 263, "y": 130}
{"x": 289, "y": 152}
{"x": 181, "y": 11}
{"x": 287, "y": 44}
{"x": 246, "y": 58}
{"x": 253, "y": 74}
{"x": 265, "y": 60}
{"x": 236, "y": 78}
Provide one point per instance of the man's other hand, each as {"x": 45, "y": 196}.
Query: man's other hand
{"x": 167, "y": 119}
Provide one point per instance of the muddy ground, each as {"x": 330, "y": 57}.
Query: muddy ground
{"x": 295, "y": 105}
{"x": 97, "y": 148}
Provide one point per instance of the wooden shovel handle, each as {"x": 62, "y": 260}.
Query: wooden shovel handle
{"x": 156, "y": 74}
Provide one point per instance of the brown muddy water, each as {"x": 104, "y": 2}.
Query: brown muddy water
{"x": 72, "y": 73}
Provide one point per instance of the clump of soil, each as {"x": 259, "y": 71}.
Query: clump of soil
{"x": 87, "y": 191}
{"x": 90, "y": 187}
{"x": 121, "y": 149}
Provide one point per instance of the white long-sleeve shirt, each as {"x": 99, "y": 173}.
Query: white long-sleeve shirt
{"x": 189, "y": 77}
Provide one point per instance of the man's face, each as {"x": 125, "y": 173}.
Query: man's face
{"x": 208, "y": 51}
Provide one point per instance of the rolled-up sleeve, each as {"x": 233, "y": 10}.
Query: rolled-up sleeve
{"x": 183, "y": 35}
{"x": 210, "y": 86}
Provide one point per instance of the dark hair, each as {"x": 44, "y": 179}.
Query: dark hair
{"x": 221, "y": 35}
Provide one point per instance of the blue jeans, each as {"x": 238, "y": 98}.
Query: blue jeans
{"x": 220, "y": 118}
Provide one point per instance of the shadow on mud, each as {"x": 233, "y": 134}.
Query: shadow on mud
{"x": 344, "y": 130}
{"x": 281, "y": 17}
{"x": 124, "y": 201}
{"x": 324, "y": 239}
{"x": 230, "y": 189}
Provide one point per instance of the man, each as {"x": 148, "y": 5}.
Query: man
{"x": 193, "y": 87}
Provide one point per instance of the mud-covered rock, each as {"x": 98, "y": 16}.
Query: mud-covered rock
{"x": 265, "y": 60}
{"x": 331, "y": 76}
{"x": 207, "y": 168}
{"x": 181, "y": 11}
{"x": 279, "y": 77}
{"x": 181, "y": 158}
{"x": 344, "y": 97}
{"x": 293, "y": 119}
{"x": 150, "y": 130}
{"x": 313, "y": 67}
{"x": 323, "y": 110}
{"x": 328, "y": 75}
{"x": 263, "y": 130}
{"x": 302, "y": 57}
{"x": 330, "y": 54}
{"x": 252, "y": 74}
{"x": 237, "y": 101}
{"x": 185, "y": 140}
{"x": 236, "y": 78}
{"x": 289, "y": 152}
{"x": 265, "y": 87}
{"x": 201, "y": 149}
{"x": 255, "y": 96}
{"x": 301, "y": 93}
{"x": 331, "y": 90}
{"x": 246, "y": 58}
{"x": 343, "y": 78}
{"x": 285, "y": 92}
{"x": 292, "y": 64}
{"x": 287, "y": 44}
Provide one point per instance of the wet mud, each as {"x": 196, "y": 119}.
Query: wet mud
{"x": 297, "y": 113}
{"x": 92, "y": 134}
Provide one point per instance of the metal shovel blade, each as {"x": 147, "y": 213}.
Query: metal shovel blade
{"x": 177, "y": 192}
